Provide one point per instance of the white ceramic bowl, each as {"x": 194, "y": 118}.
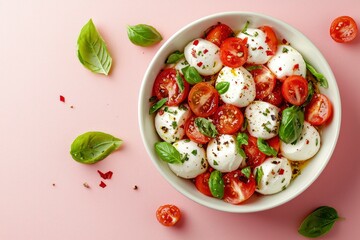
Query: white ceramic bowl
{"x": 236, "y": 20}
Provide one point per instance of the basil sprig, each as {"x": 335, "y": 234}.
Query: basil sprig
{"x": 241, "y": 139}
{"x": 291, "y": 125}
{"x": 92, "y": 51}
{"x": 157, "y": 105}
{"x": 168, "y": 153}
{"x": 180, "y": 81}
{"x": 265, "y": 148}
{"x": 92, "y": 147}
{"x": 216, "y": 184}
{"x": 321, "y": 79}
{"x": 191, "y": 75}
{"x": 143, "y": 35}
{"x": 222, "y": 87}
{"x": 174, "y": 57}
{"x": 206, "y": 127}
{"x": 259, "y": 173}
{"x": 319, "y": 222}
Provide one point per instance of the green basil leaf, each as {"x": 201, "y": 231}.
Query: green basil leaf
{"x": 216, "y": 184}
{"x": 246, "y": 171}
{"x": 92, "y": 147}
{"x": 206, "y": 127}
{"x": 265, "y": 148}
{"x": 319, "y": 222}
{"x": 245, "y": 27}
{"x": 92, "y": 51}
{"x": 321, "y": 79}
{"x": 168, "y": 153}
{"x": 222, "y": 87}
{"x": 143, "y": 35}
{"x": 258, "y": 175}
{"x": 241, "y": 139}
{"x": 174, "y": 57}
{"x": 291, "y": 124}
{"x": 180, "y": 81}
{"x": 191, "y": 75}
{"x": 157, "y": 105}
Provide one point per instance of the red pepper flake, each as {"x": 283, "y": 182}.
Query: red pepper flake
{"x": 193, "y": 53}
{"x": 102, "y": 184}
{"x": 135, "y": 187}
{"x": 106, "y": 175}
{"x": 53, "y": 184}
{"x": 281, "y": 171}
{"x": 284, "y": 41}
{"x": 269, "y": 53}
{"x": 196, "y": 42}
{"x": 307, "y": 141}
{"x": 161, "y": 112}
{"x": 260, "y": 48}
{"x": 199, "y": 64}
{"x": 85, "y": 184}
{"x": 205, "y": 51}
{"x": 296, "y": 67}
{"x": 62, "y": 98}
{"x": 280, "y": 69}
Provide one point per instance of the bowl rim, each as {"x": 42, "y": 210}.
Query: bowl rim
{"x": 141, "y": 117}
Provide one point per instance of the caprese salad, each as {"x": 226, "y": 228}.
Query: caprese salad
{"x": 238, "y": 112}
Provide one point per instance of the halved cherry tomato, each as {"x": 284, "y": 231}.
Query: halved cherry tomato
{"x": 238, "y": 187}
{"x": 254, "y": 156}
{"x": 275, "y": 97}
{"x": 168, "y": 215}
{"x": 343, "y": 29}
{"x": 265, "y": 80}
{"x": 228, "y": 119}
{"x": 295, "y": 90}
{"x": 271, "y": 38}
{"x": 202, "y": 183}
{"x": 233, "y": 52}
{"x": 274, "y": 143}
{"x": 165, "y": 86}
{"x": 192, "y": 131}
{"x": 219, "y": 33}
{"x": 319, "y": 110}
{"x": 203, "y": 99}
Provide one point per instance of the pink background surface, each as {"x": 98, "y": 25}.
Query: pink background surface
{"x": 38, "y": 63}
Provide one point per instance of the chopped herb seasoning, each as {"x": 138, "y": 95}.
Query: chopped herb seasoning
{"x": 285, "y": 50}
{"x": 215, "y": 163}
{"x": 174, "y": 124}
{"x": 194, "y": 152}
{"x": 316, "y": 142}
{"x": 264, "y": 125}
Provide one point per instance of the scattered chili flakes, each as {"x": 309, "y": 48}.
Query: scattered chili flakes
{"x": 102, "y": 184}
{"x": 281, "y": 171}
{"x": 196, "y": 42}
{"x": 199, "y": 64}
{"x": 135, "y": 187}
{"x": 62, "y": 98}
{"x": 284, "y": 41}
{"x": 205, "y": 51}
{"x": 85, "y": 184}
{"x": 107, "y": 175}
{"x": 53, "y": 184}
{"x": 269, "y": 53}
{"x": 296, "y": 67}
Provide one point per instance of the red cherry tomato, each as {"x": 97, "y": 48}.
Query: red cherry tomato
{"x": 165, "y": 86}
{"x": 192, "y": 132}
{"x": 168, "y": 215}
{"x": 203, "y": 99}
{"x": 265, "y": 80}
{"x": 219, "y": 33}
{"x": 202, "y": 183}
{"x": 271, "y": 38}
{"x": 233, "y": 52}
{"x": 274, "y": 143}
{"x": 228, "y": 119}
{"x": 295, "y": 90}
{"x": 319, "y": 110}
{"x": 254, "y": 156}
{"x": 343, "y": 29}
{"x": 238, "y": 187}
{"x": 275, "y": 97}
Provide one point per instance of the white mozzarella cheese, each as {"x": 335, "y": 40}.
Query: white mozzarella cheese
{"x": 286, "y": 62}
{"x": 222, "y": 154}
{"x": 305, "y": 147}
{"x": 169, "y": 122}
{"x": 204, "y": 56}
{"x": 274, "y": 175}
{"x": 263, "y": 119}
{"x": 195, "y": 159}
{"x": 241, "y": 90}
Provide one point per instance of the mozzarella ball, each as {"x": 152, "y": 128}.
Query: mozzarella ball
{"x": 305, "y": 147}
{"x": 286, "y": 62}
{"x": 274, "y": 175}
{"x": 263, "y": 119}
{"x": 241, "y": 90}
{"x": 195, "y": 159}
{"x": 222, "y": 154}
{"x": 169, "y": 122}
